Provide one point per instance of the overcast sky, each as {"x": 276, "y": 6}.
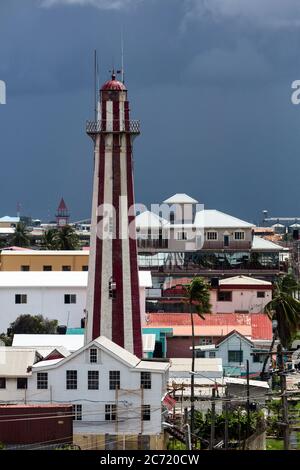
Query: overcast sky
{"x": 210, "y": 81}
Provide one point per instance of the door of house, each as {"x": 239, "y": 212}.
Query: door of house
{"x": 226, "y": 240}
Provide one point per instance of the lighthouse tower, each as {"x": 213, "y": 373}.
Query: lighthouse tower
{"x": 113, "y": 304}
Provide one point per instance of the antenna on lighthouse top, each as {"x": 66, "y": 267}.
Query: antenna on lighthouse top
{"x": 96, "y": 84}
{"x": 122, "y": 58}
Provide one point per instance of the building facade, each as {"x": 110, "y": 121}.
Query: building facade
{"x": 58, "y": 296}
{"x": 112, "y": 391}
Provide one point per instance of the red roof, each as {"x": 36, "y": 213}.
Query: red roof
{"x": 113, "y": 84}
{"x": 261, "y": 325}
{"x": 62, "y": 205}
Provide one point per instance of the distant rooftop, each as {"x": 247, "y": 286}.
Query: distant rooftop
{"x": 11, "y": 220}
{"x": 180, "y": 198}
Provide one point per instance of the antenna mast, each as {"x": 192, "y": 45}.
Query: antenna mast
{"x": 95, "y": 84}
{"x": 122, "y": 58}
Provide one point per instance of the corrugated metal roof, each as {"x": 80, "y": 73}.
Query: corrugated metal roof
{"x": 153, "y": 366}
{"x": 70, "y": 342}
{"x": 217, "y": 219}
{"x": 260, "y": 243}
{"x": 256, "y": 325}
{"x": 205, "y": 330}
{"x": 201, "y": 364}
{"x": 15, "y": 361}
{"x": 46, "y": 363}
{"x": 244, "y": 280}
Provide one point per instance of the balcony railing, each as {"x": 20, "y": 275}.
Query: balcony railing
{"x": 97, "y": 127}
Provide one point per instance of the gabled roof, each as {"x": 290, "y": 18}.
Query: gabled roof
{"x": 256, "y": 325}
{"x": 149, "y": 219}
{"x": 233, "y": 333}
{"x": 14, "y": 362}
{"x": 211, "y": 218}
{"x": 260, "y": 243}
{"x": 244, "y": 280}
{"x": 180, "y": 198}
{"x": 112, "y": 349}
{"x": 70, "y": 342}
{"x": 62, "y": 205}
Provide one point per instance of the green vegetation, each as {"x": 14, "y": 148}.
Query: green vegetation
{"x": 64, "y": 238}
{"x": 237, "y": 424}
{"x": 21, "y": 236}
{"x": 274, "y": 444}
{"x": 285, "y": 309}
{"x": 33, "y": 324}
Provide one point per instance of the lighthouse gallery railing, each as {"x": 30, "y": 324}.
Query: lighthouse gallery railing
{"x": 95, "y": 127}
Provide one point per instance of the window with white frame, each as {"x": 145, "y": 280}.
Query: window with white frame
{"x": 114, "y": 379}
{"x": 181, "y": 235}
{"x": 93, "y": 380}
{"x": 42, "y": 380}
{"x": 77, "y": 412}
{"x": 146, "y": 412}
{"x": 239, "y": 235}
{"x": 110, "y": 412}
{"x": 21, "y": 299}
{"x": 212, "y": 235}
{"x": 70, "y": 298}
{"x": 71, "y": 379}
{"x": 93, "y": 355}
{"x": 146, "y": 380}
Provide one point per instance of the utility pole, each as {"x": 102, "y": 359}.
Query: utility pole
{"x": 226, "y": 420}
{"x": 248, "y": 401}
{"x": 284, "y": 402}
{"x": 213, "y": 419}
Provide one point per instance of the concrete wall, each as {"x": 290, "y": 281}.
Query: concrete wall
{"x": 242, "y": 300}
{"x": 13, "y": 261}
{"x": 49, "y": 302}
{"x": 46, "y": 301}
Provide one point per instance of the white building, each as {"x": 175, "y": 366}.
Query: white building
{"x": 57, "y": 295}
{"x": 241, "y": 294}
{"x": 113, "y": 391}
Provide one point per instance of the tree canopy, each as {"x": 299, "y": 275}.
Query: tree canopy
{"x": 33, "y": 324}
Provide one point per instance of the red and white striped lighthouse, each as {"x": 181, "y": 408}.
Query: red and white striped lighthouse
{"x": 113, "y": 304}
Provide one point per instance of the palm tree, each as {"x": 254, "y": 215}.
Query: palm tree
{"x": 67, "y": 238}
{"x": 50, "y": 239}
{"x": 198, "y": 297}
{"x": 20, "y": 236}
{"x": 284, "y": 308}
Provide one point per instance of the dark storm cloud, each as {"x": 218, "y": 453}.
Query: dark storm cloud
{"x": 210, "y": 81}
